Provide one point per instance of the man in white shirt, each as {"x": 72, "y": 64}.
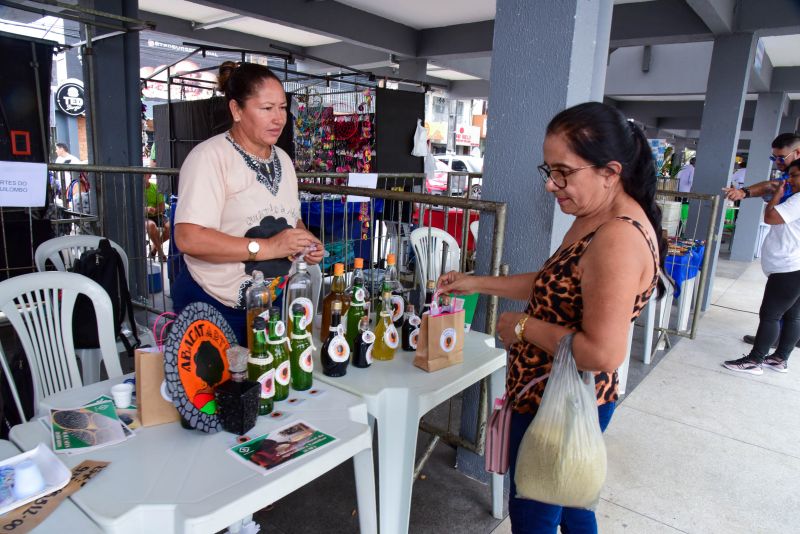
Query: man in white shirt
{"x": 686, "y": 177}
{"x": 779, "y": 316}
{"x": 63, "y": 155}
{"x": 737, "y": 179}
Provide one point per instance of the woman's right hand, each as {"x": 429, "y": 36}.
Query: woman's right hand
{"x": 456, "y": 283}
{"x": 290, "y": 242}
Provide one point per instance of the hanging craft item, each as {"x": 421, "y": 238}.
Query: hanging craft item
{"x": 195, "y": 362}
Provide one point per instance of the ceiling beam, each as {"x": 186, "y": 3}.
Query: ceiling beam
{"x": 657, "y": 22}
{"x": 718, "y": 15}
{"x": 328, "y": 18}
{"x": 218, "y": 36}
{"x": 785, "y": 80}
{"x": 768, "y": 17}
{"x": 462, "y": 40}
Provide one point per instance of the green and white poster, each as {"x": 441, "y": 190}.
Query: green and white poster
{"x": 281, "y": 446}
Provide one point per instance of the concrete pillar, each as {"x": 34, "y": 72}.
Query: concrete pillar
{"x": 769, "y": 112}
{"x": 602, "y": 38}
{"x": 543, "y": 59}
{"x": 789, "y": 123}
{"x": 118, "y": 135}
{"x": 719, "y": 130}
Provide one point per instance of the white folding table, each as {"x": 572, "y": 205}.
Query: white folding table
{"x": 66, "y": 518}
{"x": 397, "y": 396}
{"x": 170, "y": 479}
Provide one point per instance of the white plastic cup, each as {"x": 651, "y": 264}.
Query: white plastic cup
{"x": 28, "y": 479}
{"x": 122, "y": 395}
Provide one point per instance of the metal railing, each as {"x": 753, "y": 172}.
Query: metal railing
{"x": 693, "y": 241}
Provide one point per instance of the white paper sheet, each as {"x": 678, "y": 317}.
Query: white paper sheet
{"x": 22, "y": 184}
{"x": 361, "y": 179}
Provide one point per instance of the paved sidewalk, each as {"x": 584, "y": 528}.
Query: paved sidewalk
{"x": 697, "y": 448}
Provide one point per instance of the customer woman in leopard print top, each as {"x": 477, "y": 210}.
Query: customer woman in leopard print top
{"x": 600, "y": 169}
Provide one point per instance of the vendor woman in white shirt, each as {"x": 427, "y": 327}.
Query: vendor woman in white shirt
{"x": 238, "y": 207}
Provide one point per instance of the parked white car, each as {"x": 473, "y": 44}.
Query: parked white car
{"x": 458, "y": 183}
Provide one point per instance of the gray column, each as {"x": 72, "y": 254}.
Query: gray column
{"x": 789, "y": 123}
{"x": 602, "y": 38}
{"x": 118, "y": 135}
{"x": 542, "y": 62}
{"x": 719, "y": 130}
{"x": 769, "y": 112}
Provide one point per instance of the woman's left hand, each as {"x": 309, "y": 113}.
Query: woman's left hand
{"x": 505, "y": 327}
{"x": 313, "y": 257}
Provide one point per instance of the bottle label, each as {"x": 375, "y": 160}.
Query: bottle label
{"x": 447, "y": 341}
{"x": 369, "y": 354}
{"x": 308, "y": 310}
{"x": 413, "y": 338}
{"x": 414, "y": 320}
{"x": 359, "y": 296}
{"x": 261, "y": 361}
{"x": 284, "y": 373}
{"x": 339, "y": 350}
{"x": 306, "y": 360}
{"x": 280, "y": 329}
{"x": 390, "y": 337}
{"x": 267, "y": 381}
{"x": 367, "y": 337}
{"x": 398, "y": 307}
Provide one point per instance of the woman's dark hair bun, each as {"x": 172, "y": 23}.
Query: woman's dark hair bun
{"x": 225, "y": 71}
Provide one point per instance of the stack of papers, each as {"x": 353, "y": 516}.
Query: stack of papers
{"x": 89, "y": 427}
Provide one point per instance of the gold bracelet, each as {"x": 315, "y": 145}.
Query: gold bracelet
{"x": 520, "y": 330}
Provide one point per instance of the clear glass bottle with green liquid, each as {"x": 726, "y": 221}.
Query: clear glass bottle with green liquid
{"x": 302, "y": 361}
{"x": 358, "y": 303}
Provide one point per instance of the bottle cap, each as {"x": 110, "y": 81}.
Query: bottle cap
{"x": 259, "y": 323}
{"x": 391, "y": 259}
{"x": 431, "y": 285}
{"x": 338, "y": 269}
{"x": 358, "y": 263}
{"x": 337, "y": 306}
{"x": 297, "y": 309}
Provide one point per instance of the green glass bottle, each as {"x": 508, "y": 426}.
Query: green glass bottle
{"x": 260, "y": 367}
{"x": 302, "y": 362}
{"x": 277, "y": 348}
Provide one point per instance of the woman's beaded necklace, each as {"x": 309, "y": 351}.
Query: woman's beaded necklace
{"x": 268, "y": 170}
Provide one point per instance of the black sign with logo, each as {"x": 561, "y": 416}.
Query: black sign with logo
{"x": 69, "y": 99}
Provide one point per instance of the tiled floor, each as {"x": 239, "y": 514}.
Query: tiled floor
{"x": 697, "y": 448}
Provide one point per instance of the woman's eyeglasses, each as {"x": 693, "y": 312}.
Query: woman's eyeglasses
{"x": 559, "y": 176}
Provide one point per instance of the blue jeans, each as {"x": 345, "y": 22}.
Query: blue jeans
{"x": 185, "y": 290}
{"x": 533, "y": 517}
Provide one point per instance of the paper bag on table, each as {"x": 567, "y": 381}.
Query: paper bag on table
{"x": 152, "y": 407}
{"x": 441, "y": 341}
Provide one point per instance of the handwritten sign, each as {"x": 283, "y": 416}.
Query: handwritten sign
{"x": 22, "y": 184}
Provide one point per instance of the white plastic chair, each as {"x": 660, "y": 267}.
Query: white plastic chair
{"x": 63, "y": 252}
{"x": 39, "y": 307}
{"x": 473, "y": 229}
{"x": 422, "y": 247}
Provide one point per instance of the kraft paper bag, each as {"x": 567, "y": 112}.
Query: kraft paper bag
{"x": 441, "y": 341}
{"x": 152, "y": 407}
